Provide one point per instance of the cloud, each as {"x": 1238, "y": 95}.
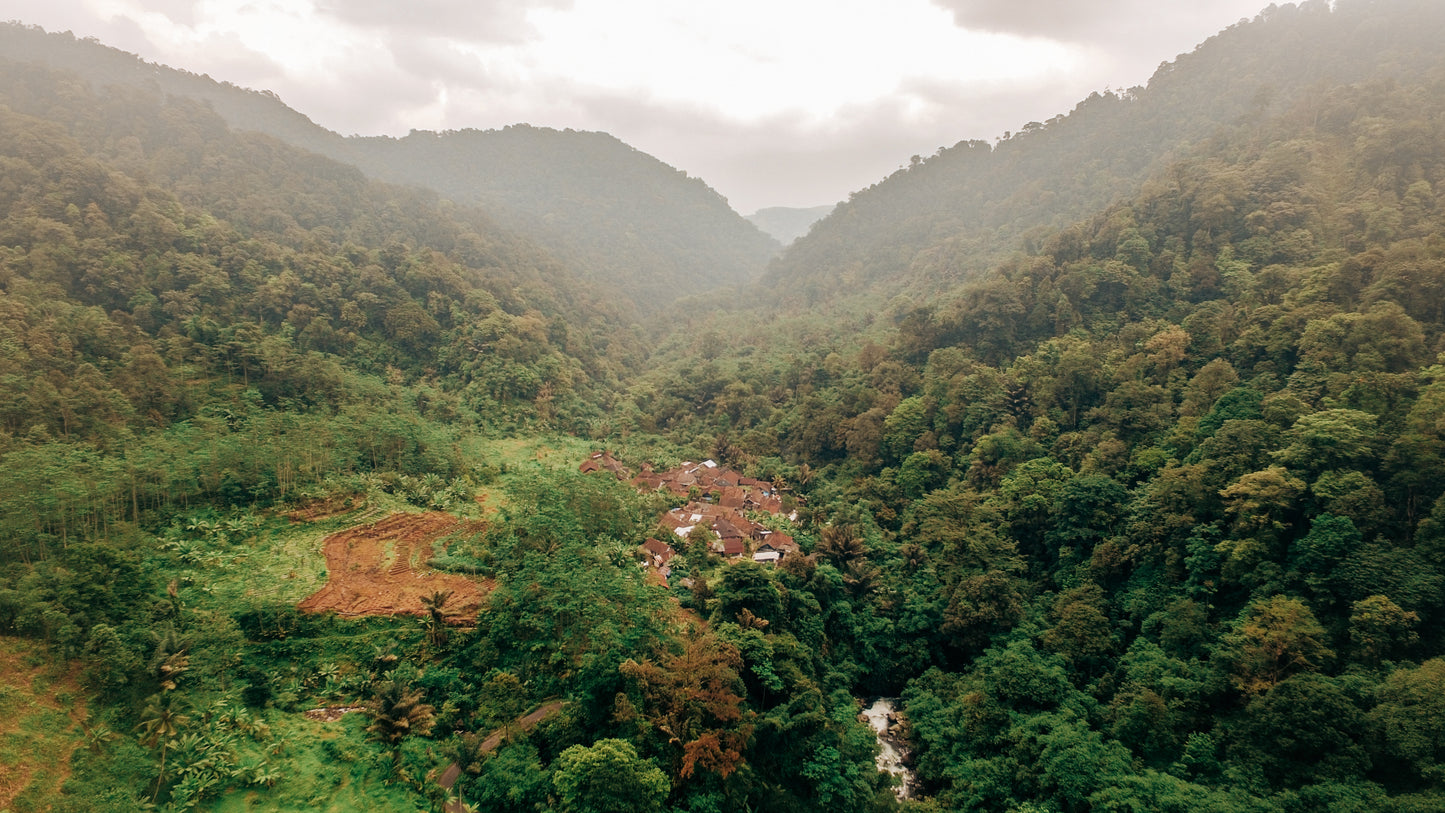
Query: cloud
{"x": 492, "y": 21}
{"x": 1133, "y": 24}
{"x": 795, "y": 159}
{"x": 1075, "y": 20}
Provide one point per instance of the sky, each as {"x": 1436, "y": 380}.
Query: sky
{"x": 771, "y": 102}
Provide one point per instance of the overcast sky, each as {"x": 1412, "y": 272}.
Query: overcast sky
{"x": 772, "y": 102}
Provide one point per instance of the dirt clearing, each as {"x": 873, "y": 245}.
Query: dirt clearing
{"x": 380, "y": 569}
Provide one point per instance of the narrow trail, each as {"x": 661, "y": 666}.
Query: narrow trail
{"x": 492, "y": 742}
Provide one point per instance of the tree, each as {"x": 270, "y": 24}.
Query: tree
{"x": 436, "y": 620}
{"x": 1302, "y": 730}
{"x": 1380, "y": 629}
{"x": 752, "y": 587}
{"x": 1333, "y": 438}
{"x": 608, "y": 777}
{"x": 1315, "y": 557}
{"x": 161, "y": 720}
{"x": 1082, "y": 632}
{"x": 1276, "y": 638}
{"x": 693, "y": 700}
{"x": 1408, "y": 724}
{"x": 397, "y": 712}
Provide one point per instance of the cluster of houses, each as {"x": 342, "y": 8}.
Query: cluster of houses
{"x": 719, "y": 500}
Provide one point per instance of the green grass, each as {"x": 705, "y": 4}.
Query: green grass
{"x": 277, "y": 563}
{"x": 326, "y": 768}
{"x": 282, "y": 562}
{"x": 528, "y": 455}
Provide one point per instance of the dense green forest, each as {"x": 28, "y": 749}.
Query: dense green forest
{"x": 1128, "y": 482}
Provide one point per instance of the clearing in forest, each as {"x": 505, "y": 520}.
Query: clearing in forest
{"x": 380, "y": 569}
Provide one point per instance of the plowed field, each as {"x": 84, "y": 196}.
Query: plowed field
{"x": 380, "y": 569}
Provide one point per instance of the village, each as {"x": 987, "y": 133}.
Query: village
{"x": 718, "y": 502}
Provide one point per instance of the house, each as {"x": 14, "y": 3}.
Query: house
{"x": 730, "y": 548}
{"x": 782, "y": 543}
{"x": 656, "y": 555}
{"x": 657, "y": 551}
{"x": 648, "y": 481}
{"x": 604, "y": 461}
{"x": 725, "y": 531}
{"x": 719, "y": 496}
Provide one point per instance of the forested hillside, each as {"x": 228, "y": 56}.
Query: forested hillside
{"x": 164, "y": 278}
{"x": 630, "y": 221}
{"x": 1148, "y": 516}
{"x": 787, "y": 224}
{"x": 948, "y": 217}
{"x": 1127, "y": 480}
{"x": 220, "y": 351}
{"x": 619, "y": 217}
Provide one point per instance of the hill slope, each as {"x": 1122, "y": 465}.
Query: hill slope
{"x": 621, "y": 217}
{"x": 787, "y": 224}
{"x": 949, "y": 217}
{"x": 1148, "y": 516}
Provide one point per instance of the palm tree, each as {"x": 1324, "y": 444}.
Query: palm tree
{"x": 840, "y": 544}
{"x": 436, "y": 621}
{"x": 170, "y": 658}
{"x": 396, "y": 712}
{"x": 160, "y": 721}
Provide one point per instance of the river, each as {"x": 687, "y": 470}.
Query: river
{"x": 882, "y": 718}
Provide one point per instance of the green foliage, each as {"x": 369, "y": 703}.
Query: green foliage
{"x": 1116, "y": 451}
{"x": 608, "y": 777}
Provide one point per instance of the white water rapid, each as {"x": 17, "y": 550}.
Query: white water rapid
{"x": 884, "y": 721}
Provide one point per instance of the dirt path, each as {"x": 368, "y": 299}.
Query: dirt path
{"x": 380, "y": 569}
{"x": 492, "y": 742}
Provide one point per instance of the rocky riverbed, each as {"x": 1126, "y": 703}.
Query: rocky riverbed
{"x": 883, "y": 717}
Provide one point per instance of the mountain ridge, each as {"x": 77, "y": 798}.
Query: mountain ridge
{"x": 622, "y": 217}
{"x": 948, "y": 217}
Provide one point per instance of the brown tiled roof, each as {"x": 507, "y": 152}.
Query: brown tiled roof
{"x": 658, "y": 549}
{"x": 782, "y": 541}
{"x": 604, "y": 460}
{"x": 650, "y": 482}
{"x": 726, "y": 530}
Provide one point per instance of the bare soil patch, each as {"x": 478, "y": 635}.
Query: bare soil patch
{"x": 380, "y": 569}
{"x": 331, "y": 714}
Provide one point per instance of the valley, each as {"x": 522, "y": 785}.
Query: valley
{"x": 513, "y": 470}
